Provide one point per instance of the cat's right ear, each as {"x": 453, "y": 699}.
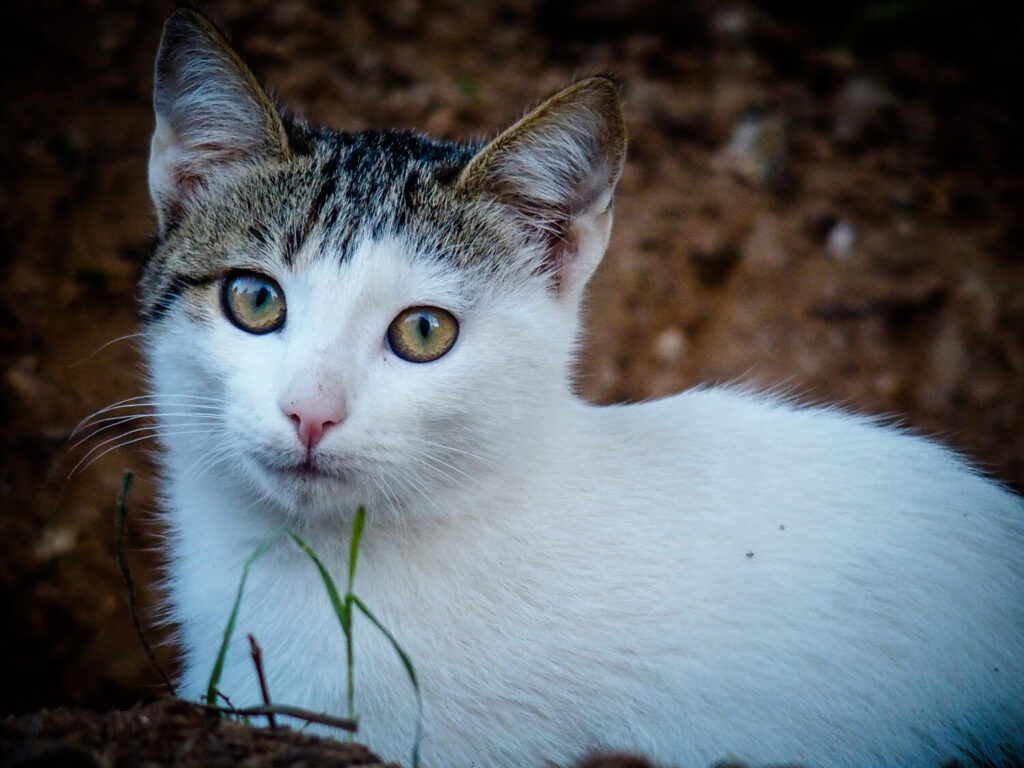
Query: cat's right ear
{"x": 211, "y": 114}
{"x": 556, "y": 169}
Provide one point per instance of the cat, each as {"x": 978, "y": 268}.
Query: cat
{"x": 379, "y": 319}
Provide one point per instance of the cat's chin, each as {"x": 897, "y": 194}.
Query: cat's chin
{"x": 308, "y": 489}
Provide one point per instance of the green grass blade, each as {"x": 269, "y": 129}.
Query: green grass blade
{"x": 409, "y": 669}
{"x": 122, "y": 514}
{"x": 353, "y": 551}
{"x": 353, "y": 557}
{"x": 342, "y": 608}
{"x": 218, "y": 665}
{"x": 332, "y": 590}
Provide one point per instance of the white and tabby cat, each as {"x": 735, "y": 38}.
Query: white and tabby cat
{"x": 377, "y": 318}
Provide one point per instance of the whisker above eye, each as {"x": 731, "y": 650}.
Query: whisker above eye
{"x": 103, "y": 346}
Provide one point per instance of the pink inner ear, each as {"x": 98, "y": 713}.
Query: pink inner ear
{"x": 583, "y": 196}
{"x": 591, "y": 186}
{"x": 562, "y": 247}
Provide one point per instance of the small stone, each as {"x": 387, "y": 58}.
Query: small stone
{"x": 54, "y": 542}
{"x": 757, "y": 151}
{"x": 859, "y": 107}
{"x": 840, "y": 241}
{"x": 670, "y": 345}
{"x": 732, "y": 24}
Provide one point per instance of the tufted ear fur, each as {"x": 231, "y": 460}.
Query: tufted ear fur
{"x": 557, "y": 169}
{"x": 211, "y": 114}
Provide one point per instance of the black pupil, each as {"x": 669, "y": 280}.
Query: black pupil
{"x": 262, "y": 296}
{"x": 424, "y": 326}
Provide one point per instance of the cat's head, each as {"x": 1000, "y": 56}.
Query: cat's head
{"x": 334, "y": 319}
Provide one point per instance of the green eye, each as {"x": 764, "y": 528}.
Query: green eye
{"x": 253, "y": 302}
{"x": 422, "y": 334}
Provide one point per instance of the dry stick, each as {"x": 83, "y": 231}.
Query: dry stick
{"x": 126, "y": 575}
{"x": 268, "y": 710}
{"x": 257, "y": 660}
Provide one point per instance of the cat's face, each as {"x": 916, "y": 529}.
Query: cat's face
{"x": 377, "y": 318}
{"x": 329, "y": 336}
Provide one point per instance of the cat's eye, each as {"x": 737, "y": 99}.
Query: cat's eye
{"x": 253, "y": 302}
{"x": 422, "y": 334}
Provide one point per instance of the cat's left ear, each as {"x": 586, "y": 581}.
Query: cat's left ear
{"x": 557, "y": 168}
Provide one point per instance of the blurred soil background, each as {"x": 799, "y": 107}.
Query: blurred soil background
{"x": 824, "y": 198}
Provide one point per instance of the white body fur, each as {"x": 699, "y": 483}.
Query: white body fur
{"x": 713, "y": 575}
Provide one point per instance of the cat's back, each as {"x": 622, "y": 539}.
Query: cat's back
{"x": 753, "y": 475}
{"x": 733, "y": 444}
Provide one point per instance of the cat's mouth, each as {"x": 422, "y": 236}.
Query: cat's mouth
{"x": 307, "y": 469}
{"x": 302, "y": 473}
{"x": 313, "y": 469}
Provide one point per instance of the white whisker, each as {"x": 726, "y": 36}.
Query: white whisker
{"x": 118, "y": 441}
{"x": 103, "y": 346}
{"x": 143, "y": 401}
{"x": 213, "y": 457}
{"x": 451, "y": 448}
{"x": 410, "y": 481}
{"x": 113, "y": 422}
{"x": 443, "y": 468}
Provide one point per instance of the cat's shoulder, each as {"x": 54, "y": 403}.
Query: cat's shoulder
{"x": 776, "y": 430}
{"x": 723, "y": 407}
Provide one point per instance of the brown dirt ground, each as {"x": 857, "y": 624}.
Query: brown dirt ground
{"x": 865, "y": 249}
{"x": 165, "y": 733}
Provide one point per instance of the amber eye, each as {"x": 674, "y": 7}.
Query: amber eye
{"x": 422, "y": 334}
{"x": 253, "y": 302}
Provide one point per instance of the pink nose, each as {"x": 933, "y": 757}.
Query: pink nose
{"x": 313, "y": 419}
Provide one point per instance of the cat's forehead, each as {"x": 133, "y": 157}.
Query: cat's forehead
{"x": 380, "y": 275}
{"x": 340, "y": 191}
{"x": 348, "y": 186}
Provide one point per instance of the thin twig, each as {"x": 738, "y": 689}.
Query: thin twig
{"x": 269, "y": 710}
{"x": 257, "y": 660}
{"x": 126, "y": 576}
